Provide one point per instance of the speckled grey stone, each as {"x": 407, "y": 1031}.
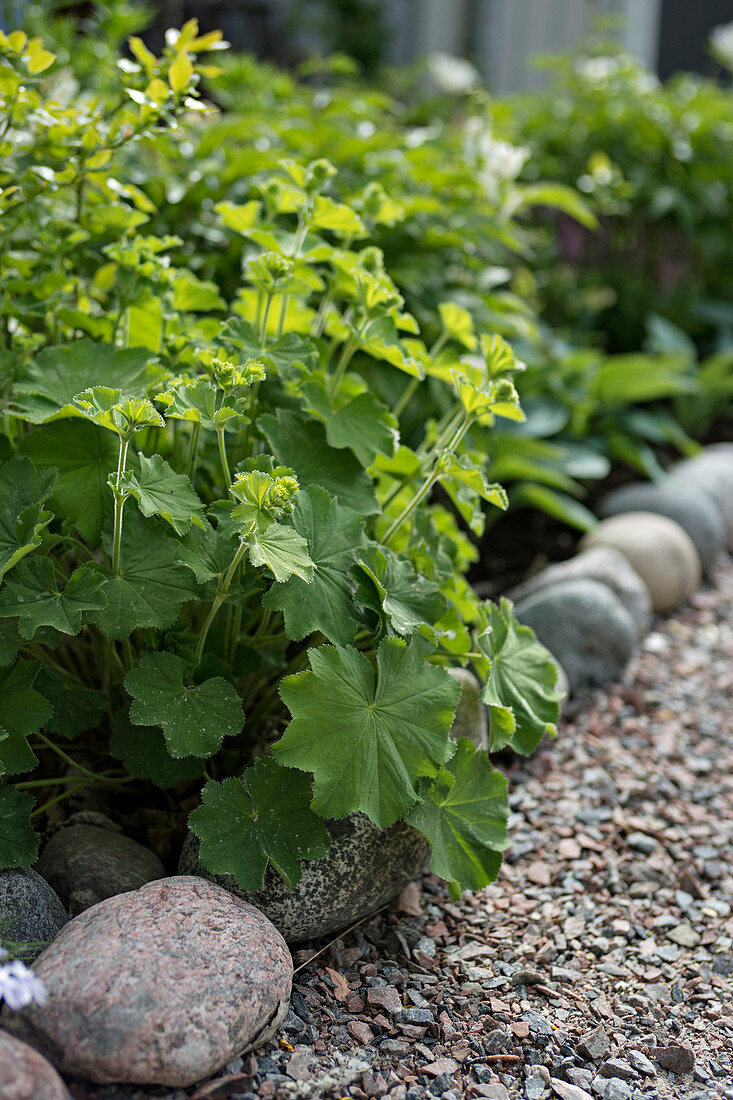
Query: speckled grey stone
{"x": 86, "y": 864}
{"x": 585, "y": 627}
{"x": 25, "y": 1075}
{"x": 602, "y": 564}
{"x": 711, "y": 472}
{"x": 364, "y": 869}
{"x": 470, "y": 720}
{"x": 30, "y": 912}
{"x": 661, "y": 552}
{"x": 691, "y": 506}
{"x": 164, "y": 985}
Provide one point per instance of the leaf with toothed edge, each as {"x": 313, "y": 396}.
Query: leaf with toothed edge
{"x": 368, "y": 735}
{"x": 264, "y": 817}
{"x": 463, "y": 813}
{"x": 196, "y": 719}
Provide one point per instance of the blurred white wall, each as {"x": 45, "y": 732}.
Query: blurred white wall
{"x": 502, "y": 36}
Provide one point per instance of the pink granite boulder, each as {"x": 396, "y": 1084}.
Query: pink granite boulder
{"x": 163, "y": 985}
{"x": 25, "y": 1075}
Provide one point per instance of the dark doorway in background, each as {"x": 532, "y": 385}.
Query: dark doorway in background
{"x": 683, "y": 37}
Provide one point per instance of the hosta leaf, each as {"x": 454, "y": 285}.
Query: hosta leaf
{"x": 557, "y": 195}
{"x": 23, "y": 491}
{"x": 142, "y": 750}
{"x": 283, "y": 551}
{"x": 362, "y": 424}
{"x": 302, "y": 444}
{"x": 560, "y": 505}
{"x": 32, "y": 594}
{"x": 195, "y": 720}
{"x": 160, "y": 491}
{"x": 368, "y": 736}
{"x": 152, "y": 585}
{"x": 407, "y": 599}
{"x": 75, "y": 708}
{"x": 22, "y": 713}
{"x": 18, "y": 842}
{"x": 264, "y": 817}
{"x": 84, "y": 458}
{"x": 632, "y": 379}
{"x": 520, "y": 688}
{"x": 47, "y": 388}
{"x": 334, "y": 536}
{"x": 463, "y": 813}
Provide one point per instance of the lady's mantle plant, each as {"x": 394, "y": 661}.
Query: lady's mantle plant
{"x": 221, "y": 563}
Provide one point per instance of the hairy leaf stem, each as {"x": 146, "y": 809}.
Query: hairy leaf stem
{"x": 265, "y": 315}
{"x": 409, "y": 390}
{"x": 219, "y": 599}
{"x": 297, "y": 245}
{"x": 95, "y": 776}
{"x": 409, "y": 508}
{"x": 192, "y": 451}
{"x": 119, "y": 505}
{"x": 348, "y": 350}
{"x": 223, "y": 456}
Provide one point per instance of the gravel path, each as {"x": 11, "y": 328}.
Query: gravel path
{"x": 601, "y": 962}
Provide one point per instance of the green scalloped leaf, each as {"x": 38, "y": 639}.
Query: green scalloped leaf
{"x": 32, "y": 594}
{"x": 520, "y": 692}
{"x": 283, "y": 551}
{"x": 263, "y": 818}
{"x": 47, "y": 388}
{"x": 22, "y": 713}
{"x": 368, "y": 736}
{"x": 390, "y": 586}
{"x": 75, "y": 708}
{"x": 142, "y": 750}
{"x": 84, "y": 457}
{"x": 160, "y": 491}
{"x": 362, "y": 423}
{"x": 18, "y": 842}
{"x": 463, "y": 812}
{"x": 195, "y": 719}
{"x": 152, "y": 585}
{"x": 23, "y": 491}
{"x": 334, "y": 536}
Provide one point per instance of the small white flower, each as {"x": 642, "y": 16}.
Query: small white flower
{"x": 496, "y": 162}
{"x": 597, "y": 69}
{"x": 721, "y": 43}
{"x": 453, "y": 75}
{"x": 19, "y": 986}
